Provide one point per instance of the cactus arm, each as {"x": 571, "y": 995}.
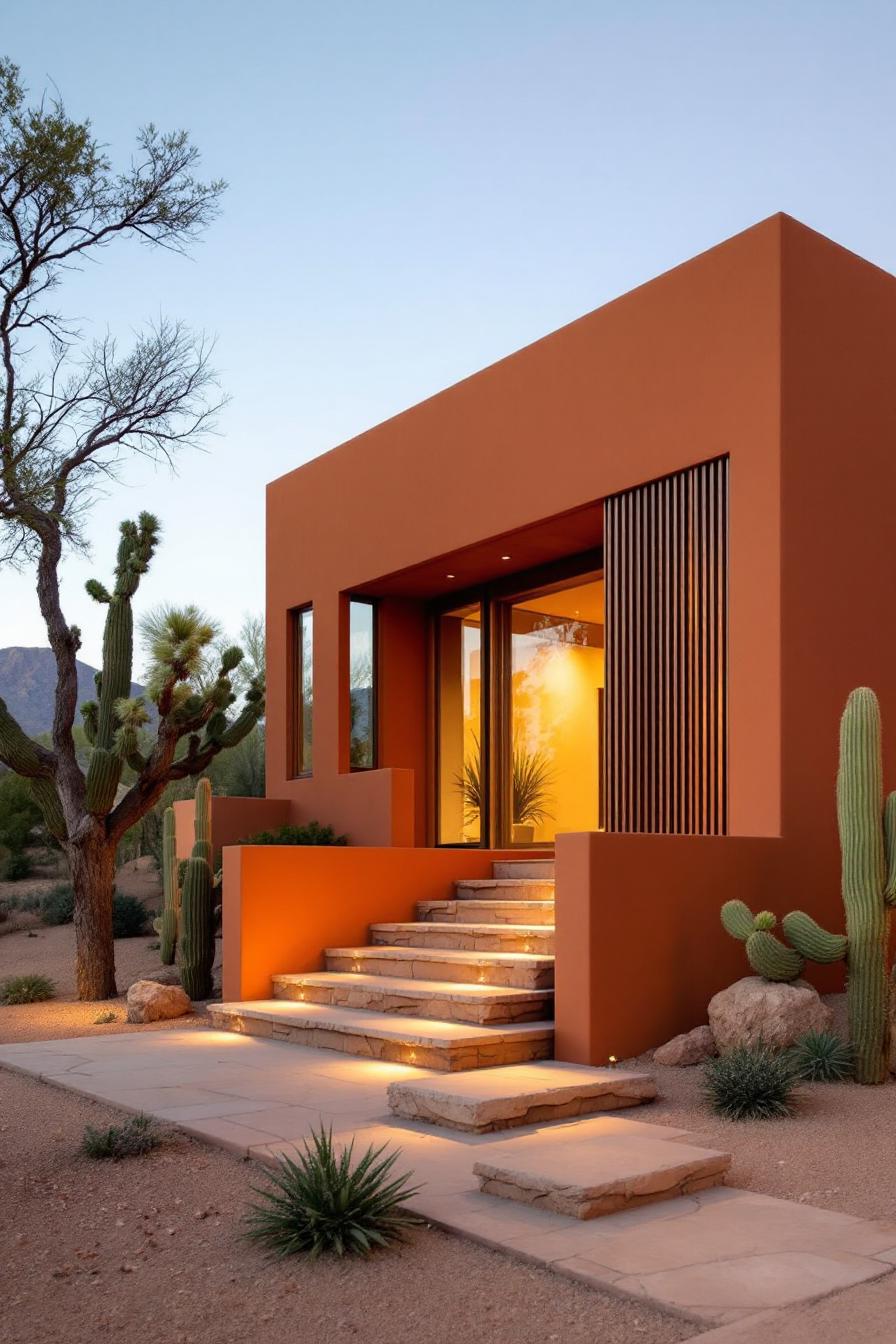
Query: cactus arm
{"x": 890, "y": 848}
{"x": 811, "y": 940}
{"x": 737, "y": 919}
{"x": 771, "y": 959}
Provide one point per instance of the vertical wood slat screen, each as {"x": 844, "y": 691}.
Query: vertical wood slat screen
{"x": 666, "y": 582}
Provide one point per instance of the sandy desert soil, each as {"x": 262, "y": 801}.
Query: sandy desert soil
{"x": 51, "y": 951}
{"x": 835, "y": 1152}
{"x": 151, "y": 1248}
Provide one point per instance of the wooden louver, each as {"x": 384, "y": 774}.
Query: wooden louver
{"x": 666, "y": 577}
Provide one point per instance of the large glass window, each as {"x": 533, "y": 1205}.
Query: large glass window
{"x": 302, "y": 632}
{"x": 362, "y": 684}
{"x": 461, "y": 775}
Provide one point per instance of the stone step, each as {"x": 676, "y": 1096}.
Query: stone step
{"x": 543, "y": 868}
{"x": 516, "y": 970}
{"x": 450, "y": 1046}
{"x": 443, "y": 1000}
{"x": 588, "y": 1178}
{"x": 475, "y": 911}
{"x": 504, "y": 889}
{"x": 525, "y": 1094}
{"x": 535, "y": 938}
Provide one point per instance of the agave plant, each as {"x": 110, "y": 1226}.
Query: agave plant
{"x": 531, "y": 778}
{"x": 320, "y": 1202}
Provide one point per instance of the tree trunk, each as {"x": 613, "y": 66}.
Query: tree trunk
{"x": 92, "y": 862}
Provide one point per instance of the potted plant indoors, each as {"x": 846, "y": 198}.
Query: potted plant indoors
{"x": 531, "y": 779}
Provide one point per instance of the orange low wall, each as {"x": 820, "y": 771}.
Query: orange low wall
{"x": 640, "y": 947}
{"x": 233, "y": 819}
{"x": 283, "y": 904}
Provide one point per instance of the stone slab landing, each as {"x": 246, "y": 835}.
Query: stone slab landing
{"x": 716, "y": 1257}
{"x": 522, "y": 1094}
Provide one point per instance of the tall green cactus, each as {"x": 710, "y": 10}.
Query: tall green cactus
{"x": 197, "y": 903}
{"x": 110, "y": 724}
{"x": 868, "y": 865}
{"x": 171, "y": 891}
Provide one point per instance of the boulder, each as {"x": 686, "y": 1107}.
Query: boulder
{"x": 774, "y": 1012}
{"x": 165, "y": 975}
{"x": 691, "y": 1047}
{"x": 148, "y": 1001}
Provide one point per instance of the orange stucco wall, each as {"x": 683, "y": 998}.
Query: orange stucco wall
{"x": 233, "y": 819}
{"x": 284, "y": 904}
{"x": 676, "y": 372}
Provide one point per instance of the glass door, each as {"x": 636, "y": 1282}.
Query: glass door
{"x": 553, "y": 680}
{"x": 462, "y": 778}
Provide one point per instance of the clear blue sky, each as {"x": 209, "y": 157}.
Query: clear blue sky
{"x": 419, "y": 188}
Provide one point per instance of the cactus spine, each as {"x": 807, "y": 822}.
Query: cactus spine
{"x": 197, "y": 904}
{"x": 171, "y": 890}
{"x": 868, "y": 882}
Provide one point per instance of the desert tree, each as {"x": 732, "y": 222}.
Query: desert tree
{"x": 72, "y": 412}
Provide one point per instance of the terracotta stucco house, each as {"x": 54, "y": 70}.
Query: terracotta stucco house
{"x": 603, "y": 601}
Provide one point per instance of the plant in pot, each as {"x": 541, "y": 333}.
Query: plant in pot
{"x": 531, "y": 780}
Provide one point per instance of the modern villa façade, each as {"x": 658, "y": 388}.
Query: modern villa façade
{"x": 599, "y": 604}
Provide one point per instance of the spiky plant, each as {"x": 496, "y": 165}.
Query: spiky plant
{"x": 27, "y": 989}
{"x": 469, "y": 784}
{"x": 750, "y": 1083}
{"x": 821, "y": 1057}
{"x": 321, "y": 1203}
{"x": 532, "y": 778}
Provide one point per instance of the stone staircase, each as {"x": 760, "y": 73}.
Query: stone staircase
{"x": 467, "y": 985}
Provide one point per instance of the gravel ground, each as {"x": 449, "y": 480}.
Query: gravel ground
{"x": 51, "y": 951}
{"x": 836, "y": 1152}
{"x": 151, "y": 1248}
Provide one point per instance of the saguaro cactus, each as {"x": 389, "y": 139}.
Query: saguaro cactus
{"x": 868, "y": 851}
{"x": 111, "y": 722}
{"x": 171, "y": 891}
{"x": 197, "y": 903}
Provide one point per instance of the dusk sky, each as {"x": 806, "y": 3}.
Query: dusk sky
{"x": 417, "y": 189}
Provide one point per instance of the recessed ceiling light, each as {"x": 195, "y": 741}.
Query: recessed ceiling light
{"x": 450, "y": 576}
{"x": 505, "y": 557}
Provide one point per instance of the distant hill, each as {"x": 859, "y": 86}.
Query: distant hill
{"x": 28, "y": 684}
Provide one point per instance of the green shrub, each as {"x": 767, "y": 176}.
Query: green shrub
{"x": 58, "y": 905}
{"x": 130, "y": 917}
{"x": 321, "y": 1203}
{"x": 821, "y": 1057}
{"x": 312, "y": 834}
{"x": 750, "y": 1083}
{"x": 27, "y": 989}
{"x": 17, "y": 866}
{"x": 133, "y": 1138}
{"x": 102, "y": 1019}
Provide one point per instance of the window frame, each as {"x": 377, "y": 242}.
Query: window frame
{"x": 297, "y": 766}
{"x": 373, "y": 604}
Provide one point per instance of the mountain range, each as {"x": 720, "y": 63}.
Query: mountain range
{"x": 28, "y": 684}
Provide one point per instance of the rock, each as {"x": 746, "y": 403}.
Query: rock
{"x": 148, "y": 1001}
{"x": 777, "y": 1013}
{"x": 691, "y": 1047}
{"x": 165, "y": 975}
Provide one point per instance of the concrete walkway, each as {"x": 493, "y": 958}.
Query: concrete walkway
{"x": 722, "y": 1257}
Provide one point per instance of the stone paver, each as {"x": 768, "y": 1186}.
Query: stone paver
{"x": 722, "y": 1257}
{"x": 520, "y": 1094}
{"x": 482, "y": 1005}
{"x": 592, "y": 1180}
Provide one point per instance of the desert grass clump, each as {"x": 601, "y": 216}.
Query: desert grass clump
{"x": 27, "y": 989}
{"x": 322, "y": 1203}
{"x": 750, "y": 1083}
{"x": 821, "y": 1057}
{"x": 137, "y": 1135}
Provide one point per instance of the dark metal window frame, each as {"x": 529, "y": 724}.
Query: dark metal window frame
{"x": 371, "y": 602}
{"x": 494, "y": 599}
{"x": 295, "y": 681}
